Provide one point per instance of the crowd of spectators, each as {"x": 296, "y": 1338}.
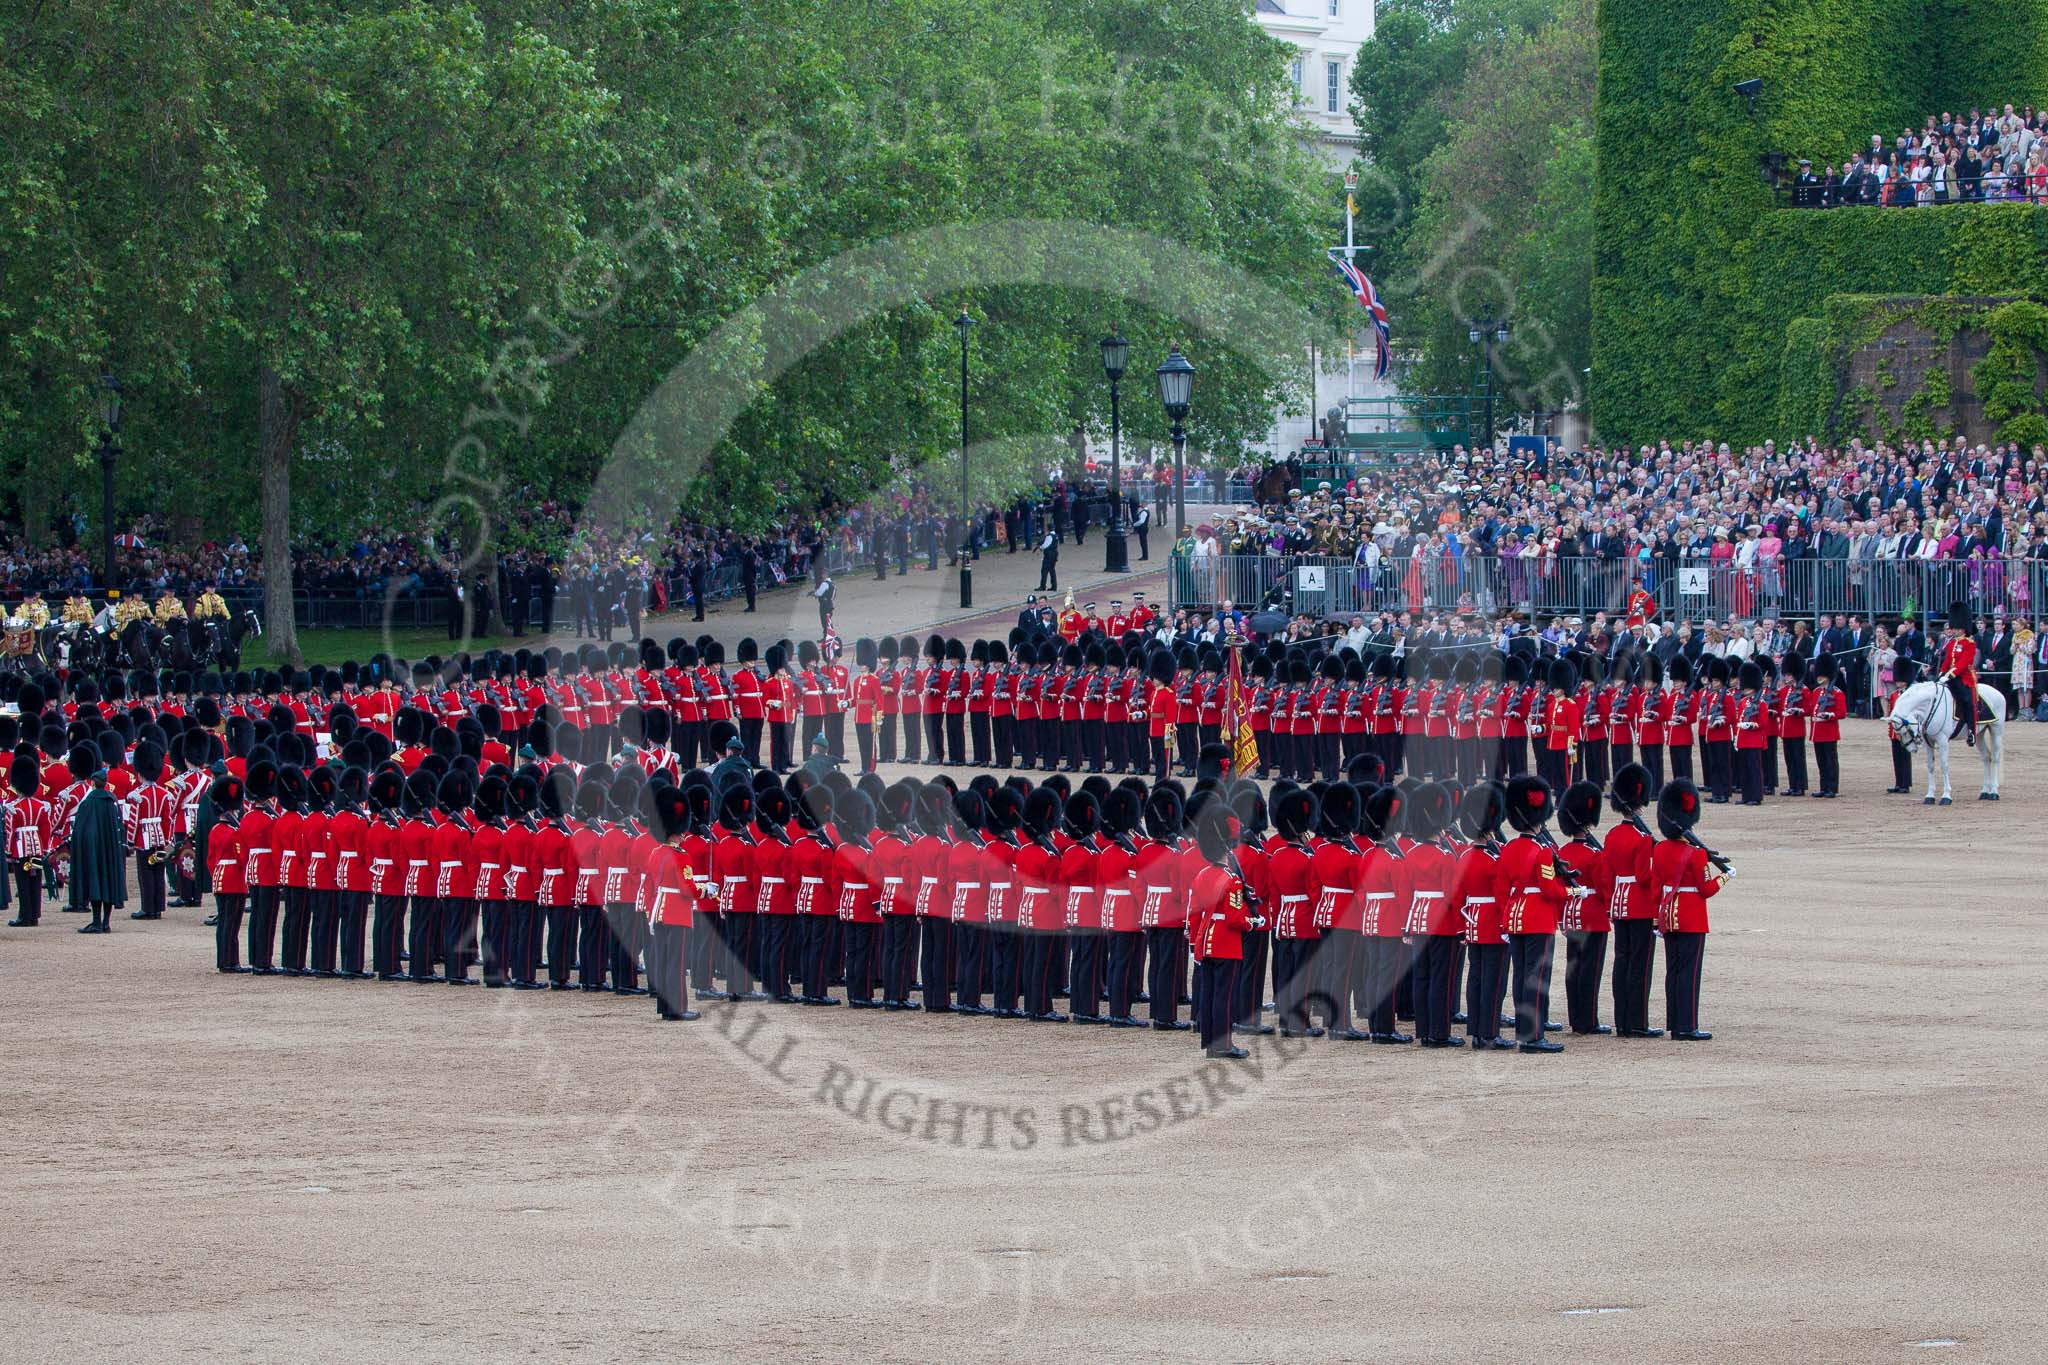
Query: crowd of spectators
{"x": 1982, "y": 158}
{"x": 548, "y": 566}
{"x": 1781, "y": 531}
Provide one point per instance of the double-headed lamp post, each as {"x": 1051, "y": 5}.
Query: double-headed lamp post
{"x": 1176, "y": 387}
{"x": 964, "y": 322}
{"x": 1485, "y": 334}
{"x": 1116, "y": 357}
{"x": 109, "y": 405}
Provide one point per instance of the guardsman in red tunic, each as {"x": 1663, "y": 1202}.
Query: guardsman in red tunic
{"x": 1434, "y": 924}
{"x": 867, "y": 701}
{"x": 1560, "y": 727}
{"x": 1475, "y": 896}
{"x": 975, "y": 686}
{"x": 1957, "y": 667}
{"x": 1717, "y": 730}
{"x": 671, "y": 898}
{"x": 1751, "y": 710}
{"x": 1162, "y": 908}
{"x": 1383, "y": 909}
{"x": 1219, "y": 914}
{"x": 1041, "y": 902}
{"x": 1642, "y": 608}
{"x": 259, "y": 866}
{"x": 1682, "y": 877}
{"x": 894, "y": 891}
{"x": 31, "y": 822}
{"x": 748, "y": 704}
{"x": 151, "y": 813}
{"x": 1160, "y": 708}
{"x": 859, "y": 895}
{"x": 1290, "y": 884}
{"x": 225, "y": 868}
{"x": 1587, "y": 909}
{"x": 969, "y": 870}
{"x": 347, "y": 841}
{"x": 1825, "y": 706}
{"x": 1630, "y": 907}
{"x": 1791, "y": 707}
{"x": 732, "y": 866}
{"x": 1535, "y": 895}
{"x": 1116, "y": 874}
{"x": 453, "y": 878}
{"x": 817, "y": 899}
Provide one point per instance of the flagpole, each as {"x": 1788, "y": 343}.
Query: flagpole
{"x": 1350, "y": 213}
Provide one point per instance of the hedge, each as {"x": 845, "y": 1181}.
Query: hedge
{"x": 1698, "y": 274}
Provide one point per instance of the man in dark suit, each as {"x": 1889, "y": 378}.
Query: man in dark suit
{"x": 1994, "y": 657}
{"x": 1856, "y": 666}
{"x": 750, "y": 563}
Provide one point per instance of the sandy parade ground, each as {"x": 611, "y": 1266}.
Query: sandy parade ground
{"x": 227, "y": 1168}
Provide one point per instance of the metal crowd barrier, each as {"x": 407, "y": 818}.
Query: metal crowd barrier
{"x": 1684, "y": 589}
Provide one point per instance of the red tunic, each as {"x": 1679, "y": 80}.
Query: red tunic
{"x": 1217, "y": 916}
{"x": 1535, "y": 896}
{"x": 1586, "y": 907}
{"x": 1475, "y": 893}
{"x": 1681, "y": 879}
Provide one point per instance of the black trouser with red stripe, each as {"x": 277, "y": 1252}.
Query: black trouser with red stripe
{"x": 423, "y": 938}
{"x": 1036, "y": 972}
{"x": 1585, "y": 958}
{"x": 458, "y": 936}
{"x": 1432, "y": 986}
{"x": 561, "y": 942}
{"x": 298, "y": 918}
{"x": 1532, "y": 954}
{"x": 326, "y": 930}
{"x": 899, "y": 950}
{"x": 863, "y": 943}
{"x": 351, "y": 911}
{"x": 149, "y": 882}
{"x": 387, "y": 933}
{"x": 1485, "y": 986}
{"x": 1682, "y": 958}
{"x": 262, "y": 926}
{"x": 935, "y": 962}
{"x": 227, "y": 925}
{"x": 1215, "y": 992}
{"x": 1635, "y": 952}
{"x": 28, "y": 888}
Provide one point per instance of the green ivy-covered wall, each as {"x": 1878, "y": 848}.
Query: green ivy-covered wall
{"x": 1700, "y": 280}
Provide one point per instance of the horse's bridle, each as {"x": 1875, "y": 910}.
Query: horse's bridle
{"x": 1927, "y": 720}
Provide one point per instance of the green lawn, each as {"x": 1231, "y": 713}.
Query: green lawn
{"x": 335, "y": 646}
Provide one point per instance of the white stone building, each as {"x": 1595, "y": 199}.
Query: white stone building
{"x": 1326, "y": 35}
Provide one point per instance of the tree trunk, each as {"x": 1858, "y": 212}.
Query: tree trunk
{"x": 277, "y": 430}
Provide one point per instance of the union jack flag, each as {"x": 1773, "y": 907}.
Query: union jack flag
{"x": 1369, "y": 299}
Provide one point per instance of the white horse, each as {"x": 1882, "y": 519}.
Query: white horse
{"x": 1925, "y": 713}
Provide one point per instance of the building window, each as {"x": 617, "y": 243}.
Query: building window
{"x": 1336, "y": 85}
{"x": 1335, "y": 7}
{"x": 1294, "y": 72}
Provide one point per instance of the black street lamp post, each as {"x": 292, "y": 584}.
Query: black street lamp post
{"x": 1176, "y": 387}
{"x": 1116, "y": 356}
{"x": 964, "y": 322}
{"x": 109, "y": 400}
{"x": 1485, "y": 333}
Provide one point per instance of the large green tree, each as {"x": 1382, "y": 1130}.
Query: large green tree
{"x": 408, "y": 266}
